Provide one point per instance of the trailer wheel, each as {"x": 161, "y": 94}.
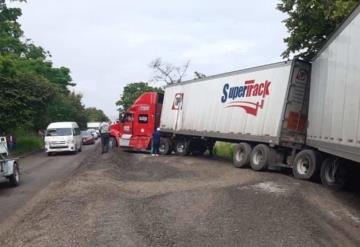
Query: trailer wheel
{"x": 181, "y": 147}
{"x": 14, "y": 179}
{"x": 259, "y": 157}
{"x": 306, "y": 165}
{"x": 333, "y": 173}
{"x": 241, "y": 155}
{"x": 165, "y": 146}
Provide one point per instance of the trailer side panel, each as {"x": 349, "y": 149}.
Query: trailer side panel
{"x": 244, "y": 105}
{"x": 334, "y": 115}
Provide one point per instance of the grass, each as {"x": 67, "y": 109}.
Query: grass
{"x": 224, "y": 150}
{"x": 26, "y": 142}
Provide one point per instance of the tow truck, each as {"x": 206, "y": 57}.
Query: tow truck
{"x": 9, "y": 167}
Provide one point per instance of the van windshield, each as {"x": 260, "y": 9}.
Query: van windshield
{"x": 59, "y": 132}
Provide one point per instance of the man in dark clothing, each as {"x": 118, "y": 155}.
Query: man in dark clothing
{"x": 155, "y": 143}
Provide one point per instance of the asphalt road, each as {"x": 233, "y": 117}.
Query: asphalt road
{"x": 37, "y": 172}
{"x": 133, "y": 199}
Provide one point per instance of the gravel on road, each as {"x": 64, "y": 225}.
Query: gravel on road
{"x": 133, "y": 199}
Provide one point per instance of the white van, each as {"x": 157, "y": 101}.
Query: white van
{"x": 63, "y": 137}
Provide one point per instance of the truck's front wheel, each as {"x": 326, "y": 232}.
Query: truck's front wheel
{"x": 181, "y": 147}
{"x": 333, "y": 174}
{"x": 112, "y": 142}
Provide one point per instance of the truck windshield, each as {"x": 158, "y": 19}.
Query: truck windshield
{"x": 59, "y": 132}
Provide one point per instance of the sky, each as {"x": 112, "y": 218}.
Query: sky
{"x": 110, "y": 43}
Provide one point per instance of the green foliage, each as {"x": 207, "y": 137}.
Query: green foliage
{"x": 132, "y": 91}
{"x": 23, "y": 99}
{"x": 95, "y": 115}
{"x": 27, "y": 141}
{"x": 311, "y": 22}
{"x": 33, "y": 92}
{"x": 224, "y": 150}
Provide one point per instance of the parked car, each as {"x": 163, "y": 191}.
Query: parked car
{"x": 87, "y": 137}
{"x": 94, "y": 132}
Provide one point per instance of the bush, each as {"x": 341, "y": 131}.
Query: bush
{"x": 27, "y": 141}
{"x": 224, "y": 150}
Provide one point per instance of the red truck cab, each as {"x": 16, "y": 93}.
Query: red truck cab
{"x": 138, "y": 123}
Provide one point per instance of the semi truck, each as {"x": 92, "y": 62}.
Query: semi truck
{"x": 301, "y": 115}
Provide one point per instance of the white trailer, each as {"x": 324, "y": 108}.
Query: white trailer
{"x": 93, "y": 125}
{"x": 264, "y": 109}
{"x": 334, "y": 115}
{"x": 9, "y": 168}
{"x": 271, "y": 114}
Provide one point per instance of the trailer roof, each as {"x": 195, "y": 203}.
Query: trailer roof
{"x": 338, "y": 30}
{"x": 236, "y": 72}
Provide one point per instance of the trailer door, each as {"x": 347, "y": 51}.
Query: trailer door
{"x": 293, "y": 128}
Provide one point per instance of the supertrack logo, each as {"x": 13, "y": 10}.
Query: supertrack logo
{"x": 255, "y": 94}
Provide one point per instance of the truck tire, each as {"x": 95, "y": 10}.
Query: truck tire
{"x": 259, "y": 157}
{"x": 165, "y": 146}
{"x": 112, "y": 142}
{"x": 14, "y": 179}
{"x": 49, "y": 153}
{"x": 241, "y": 155}
{"x": 181, "y": 147}
{"x": 334, "y": 174}
{"x": 306, "y": 165}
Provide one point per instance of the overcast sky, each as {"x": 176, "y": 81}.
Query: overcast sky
{"x": 110, "y": 43}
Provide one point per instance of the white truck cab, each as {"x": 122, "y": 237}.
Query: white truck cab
{"x": 9, "y": 168}
{"x": 63, "y": 137}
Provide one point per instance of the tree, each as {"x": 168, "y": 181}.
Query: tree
{"x": 132, "y": 91}
{"x": 311, "y": 22}
{"x": 33, "y": 92}
{"x": 10, "y": 30}
{"x": 95, "y": 115}
{"x": 199, "y": 75}
{"x": 167, "y": 72}
{"x": 23, "y": 101}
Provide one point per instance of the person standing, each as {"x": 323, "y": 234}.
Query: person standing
{"x": 104, "y": 132}
{"x": 155, "y": 143}
{"x": 11, "y": 142}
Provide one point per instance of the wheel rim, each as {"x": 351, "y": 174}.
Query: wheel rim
{"x": 162, "y": 148}
{"x": 258, "y": 157}
{"x": 180, "y": 147}
{"x": 240, "y": 155}
{"x": 303, "y": 166}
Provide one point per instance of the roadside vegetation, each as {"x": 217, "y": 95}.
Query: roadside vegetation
{"x": 33, "y": 92}
{"x": 224, "y": 150}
